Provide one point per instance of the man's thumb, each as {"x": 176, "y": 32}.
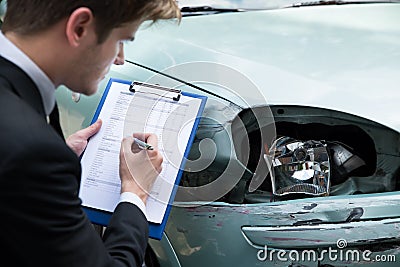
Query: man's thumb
{"x": 92, "y": 129}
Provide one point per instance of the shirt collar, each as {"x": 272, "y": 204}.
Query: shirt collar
{"x": 46, "y": 87}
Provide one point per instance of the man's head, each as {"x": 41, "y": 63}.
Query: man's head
{"x": 75, "y": 41}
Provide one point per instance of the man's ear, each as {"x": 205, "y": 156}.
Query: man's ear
{"x": 79, "y": 24}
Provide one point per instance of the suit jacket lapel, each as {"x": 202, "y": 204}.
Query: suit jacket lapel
{"x": 22, "y": 85}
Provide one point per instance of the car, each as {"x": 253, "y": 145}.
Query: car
{"x": 285, "y": 80}
{"x": 2, "y": 11}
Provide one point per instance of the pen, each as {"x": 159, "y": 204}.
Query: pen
{"x": 142, "y": 145}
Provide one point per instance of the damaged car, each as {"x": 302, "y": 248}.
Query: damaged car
{"x": 296, "y": 158}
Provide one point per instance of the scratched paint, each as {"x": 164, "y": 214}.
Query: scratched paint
{"x": 368, "y": 220}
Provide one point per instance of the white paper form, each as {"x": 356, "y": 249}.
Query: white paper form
{"x": 124, "y": 113}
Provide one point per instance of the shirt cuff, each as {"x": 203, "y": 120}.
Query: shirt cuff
{"x": 135, "y": 200}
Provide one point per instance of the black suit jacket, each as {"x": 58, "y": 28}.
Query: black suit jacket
{"x": 41, "y": 219}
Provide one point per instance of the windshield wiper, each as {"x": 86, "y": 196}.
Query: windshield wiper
{"x": 183, "y": 82}
{"x": 206, "y": 10}
{"x": 339, "y": 2}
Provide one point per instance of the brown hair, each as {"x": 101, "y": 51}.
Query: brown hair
{"x": 32, "y": 16}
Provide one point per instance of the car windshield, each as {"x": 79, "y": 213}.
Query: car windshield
{"x": 2, "y": 9}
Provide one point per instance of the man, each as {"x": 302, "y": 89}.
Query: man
{"x": 44, "y": 44}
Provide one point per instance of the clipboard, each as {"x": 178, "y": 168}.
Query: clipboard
{"x": 100, "y": 213}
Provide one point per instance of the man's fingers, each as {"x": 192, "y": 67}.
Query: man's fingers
{"x": 141, "y": 136}
{"x": 149, "y": 138}
{"x": 91, "y": 130}
{"x": 126, "y": 144}
{"x": 94, "y": 128}
{"x": 152, "y": 140}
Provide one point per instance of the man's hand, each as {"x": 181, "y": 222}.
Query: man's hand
{"x": 78, "y": 141}
{"x": 139, "y": 168}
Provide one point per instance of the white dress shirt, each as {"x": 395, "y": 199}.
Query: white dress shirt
{"x": 46, "y": 87}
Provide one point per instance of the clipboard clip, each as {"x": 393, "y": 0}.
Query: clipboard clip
{"x": 158, "y": 87}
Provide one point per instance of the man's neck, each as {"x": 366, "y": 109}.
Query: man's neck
{"x": 47, "y": 49}
{"x": 36, "y": 49}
